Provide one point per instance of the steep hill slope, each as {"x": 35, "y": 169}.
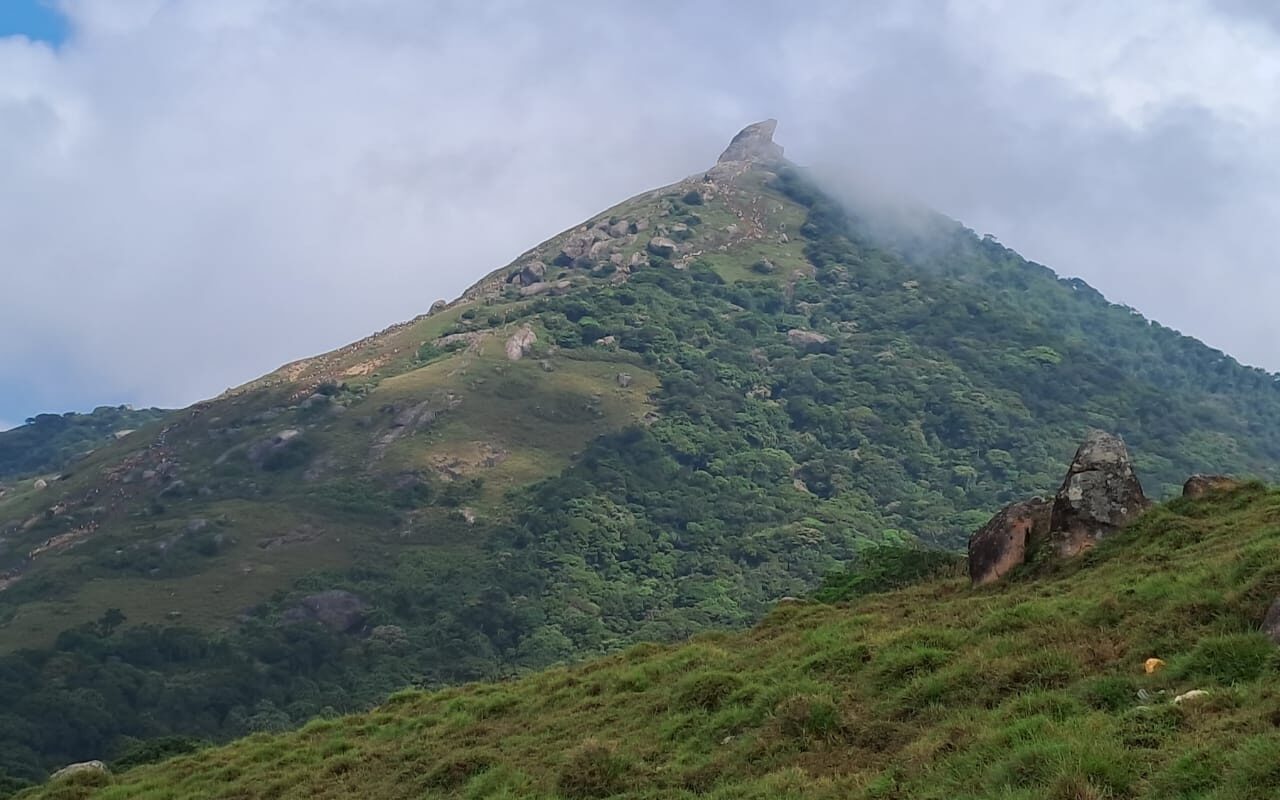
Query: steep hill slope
{"x": 701, "y": 400}
{"x": 49, "y": 443}
{"x": 1030, "y": 689}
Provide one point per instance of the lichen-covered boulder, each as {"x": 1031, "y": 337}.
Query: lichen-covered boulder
{"x": 81, "y": 768}
{"x": 1199, "y": 485}
{"x": 1100, "y": 495}
{"x": 1001, "y": 544}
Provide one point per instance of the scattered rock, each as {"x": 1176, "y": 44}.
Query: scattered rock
{"x": 261, "y": 451}
{"x": 805, "y": 338}
{"x": 620, "y": 228}
{"x": 96, "y": 767}
{"x": 754, "y": 143}
{"x": 521, "y": 343}
{"x": 623, "y": 379}
{"x": 40, "y": 484}
{"x": 1271, "y": 622}
{"x": 1194, "y": 694}
{"x": 661, "y": 246}
{"x": 121, "y": 434}
{"x": 607, "y": 341}
{"x": 529, "y": 274}
{"x": 534, "y": 289}
{"x": 336, "y": 609}
{"x": 637, "y": 260}
{"x": 1200, "y": 485}
{"x": 1001, "y": 544}
{"x": 1100, "y": 495}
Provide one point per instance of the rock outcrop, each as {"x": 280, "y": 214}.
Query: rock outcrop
{"x": 1199, "y": 485}
{"x": 521, "y": 343}
{"x": 754, "y": 143}
{"x": 1002, "y": 543}
{"x": 92, "y": 767}
{"x": 339, "y": 611}
{"x": 1100, "y": 495}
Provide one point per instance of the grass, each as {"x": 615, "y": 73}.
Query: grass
{"x": 1029, "y": 689}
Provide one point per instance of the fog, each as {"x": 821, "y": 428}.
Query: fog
{"x": 192, "y": 193}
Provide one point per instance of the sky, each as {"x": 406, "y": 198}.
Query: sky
{"x": 193, "y": 193}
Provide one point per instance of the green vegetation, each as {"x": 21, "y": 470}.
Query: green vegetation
{"x": 51, "y": 442}
{"x": 1030, "y": 689}
{"x": 677, "y": 450}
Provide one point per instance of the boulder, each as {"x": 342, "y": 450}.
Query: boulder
{"x": 620, "y": 228}
{"x": 530, "y": 273}
{"x": 261, "y": 451}
{"x": 1001, "y": 544}
{"x": 521, "y": 343}
{"x": 1199, "y": 485}
{"x": 438, "y": 306}
{"x": 661, "y": 246}
{"x": 40, "y": 484}
{"x": 805, "y": 338}
{"x": 624, "y": 379}
{"x": 336, "y": 609}
{"x": 81, "y": 768}
{"x": 754, "y": 143}
{"x": 1271, "y": 622}
{"x": 638, "y": 260}
{"x": 1100, "y": 495}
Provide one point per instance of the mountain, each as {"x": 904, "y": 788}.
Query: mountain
{"x": 49, "y": 443}
{"x": 710, "y": 396}
{"x": 1035, "y": 688}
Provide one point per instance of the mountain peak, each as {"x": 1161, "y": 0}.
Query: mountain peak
{"x": 754, "y": 143}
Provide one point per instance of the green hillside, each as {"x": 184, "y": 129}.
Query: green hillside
{"x": 659, "y": 422}
{"x": 50, "y": 443}
{"x": 1030, "y": 689}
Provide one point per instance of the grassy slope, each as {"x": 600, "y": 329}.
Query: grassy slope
{"x": 1024, "y": 690}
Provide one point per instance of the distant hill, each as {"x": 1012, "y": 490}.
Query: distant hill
{"x": 1031, "y": 689}
{"x": 708, "y": 397}
{"x": 48, "y": 443}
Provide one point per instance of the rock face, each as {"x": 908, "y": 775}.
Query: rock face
{"x": 1001, "y": 544}
{"x": 96, "y": 767}
{"x": 754, "y": 143}
{"x": 521, "y": 343}
{"x": 336, "y": 609}
{"x": 1101, "y": 494}
{"x": 1199, "y": 485}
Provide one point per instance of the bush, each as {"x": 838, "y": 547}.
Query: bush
{"x": 706, "y": 690}
{"x": 1228, "y": 659}
{"x": 692, "y": 198}
{"x": 594, "y": 769}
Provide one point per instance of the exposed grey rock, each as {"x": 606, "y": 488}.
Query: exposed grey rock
{"x": 805, "y": 338}
{"x": 260, "y": 451}
{"x": 40, "y": 484}
{"x": 624, "y": 379}
{"x": 197, "y": 525}
{"x": 521, "y": 343}
{"x": 1100, "y": 495}
{"x": 1271, "y": 622}
{"x": 661, "y": 246}
{"x": 1001, "y": 544}
{"x": 638, "y": 260}
{"x": 620, "y": 228}
{"x": 437, "y": 306}
{"x": 530, "y": 273}
{"x": 336, "y": 609}
{"x": 96, "y": 767}
{"x": 754, "y": 143}
{"x": 1199, "y": 485}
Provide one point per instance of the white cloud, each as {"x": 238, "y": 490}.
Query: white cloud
{"x": 192, "y": 193}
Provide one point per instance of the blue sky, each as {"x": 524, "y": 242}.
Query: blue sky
{"x": 34, "y": 19}
{"x": 194, "y": 192}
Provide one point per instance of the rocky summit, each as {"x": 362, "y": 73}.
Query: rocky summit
{"x": 656, "y": 423}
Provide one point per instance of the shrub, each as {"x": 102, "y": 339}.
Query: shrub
{"x": 1228, "y": 659}
{"x": 692, "y": 198}
{"x": 706, "y": 690}
{"x": 594, "y": 769}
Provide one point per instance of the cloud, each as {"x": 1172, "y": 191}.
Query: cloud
{"x": 194, "y": 193}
